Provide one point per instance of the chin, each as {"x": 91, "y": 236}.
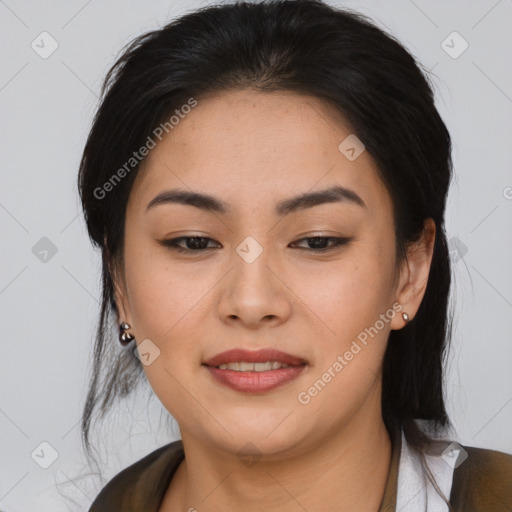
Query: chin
{"x": 264, "y": 434}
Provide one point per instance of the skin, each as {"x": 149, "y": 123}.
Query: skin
{"x": 252, "y": 150}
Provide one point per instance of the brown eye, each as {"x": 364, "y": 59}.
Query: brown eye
{"x": 192, "y": 243}
{"x": 320, "y": 243}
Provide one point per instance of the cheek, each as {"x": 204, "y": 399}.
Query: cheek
{"x": 164, "y": 304}
{"x": 162, "y": 298}
{"x": 349, "y": 295}
{"x": 346, "y": 305}
{"x": 348, "y": 346}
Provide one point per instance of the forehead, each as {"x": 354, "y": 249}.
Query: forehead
{"x": 247, "y": 146}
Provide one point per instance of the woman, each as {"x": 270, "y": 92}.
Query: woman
{"x": 267, "y": 183}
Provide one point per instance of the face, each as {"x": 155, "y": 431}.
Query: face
{"x": 266, "y": 272}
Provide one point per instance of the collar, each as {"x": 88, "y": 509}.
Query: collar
{"x": 419, "y": 483}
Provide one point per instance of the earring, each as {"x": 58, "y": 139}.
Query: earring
{"x": 125, "y": 337}
{"x": 405, "y": 316}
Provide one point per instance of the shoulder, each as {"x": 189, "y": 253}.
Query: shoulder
{"x": 142, "y": 484}
{"x": 482, "y": 482}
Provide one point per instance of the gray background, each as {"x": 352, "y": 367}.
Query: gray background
{"x": 49, "y": 308}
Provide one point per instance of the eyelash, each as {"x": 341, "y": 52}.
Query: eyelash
{"x": 172, "y": 243}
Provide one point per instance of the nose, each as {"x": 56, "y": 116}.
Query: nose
{"x": 255, "y": 294}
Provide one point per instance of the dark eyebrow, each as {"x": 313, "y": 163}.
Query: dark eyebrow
{"x": 202, "y": 201}
{"x": 300, "y": 202}
{"x": 307, "y": 200}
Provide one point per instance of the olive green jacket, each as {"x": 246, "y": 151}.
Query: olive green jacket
{"x": 482, "y": 483}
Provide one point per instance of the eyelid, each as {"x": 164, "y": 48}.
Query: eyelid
{"x": 171, "y": 243}
{"x": 338, "y": 241}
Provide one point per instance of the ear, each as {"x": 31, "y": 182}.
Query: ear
{"x": 120, "y": 295}
{"x": 414, "y": 274}
{"x": 124, "y": 314}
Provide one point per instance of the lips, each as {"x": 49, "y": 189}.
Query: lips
{"x": 254, "y": 356}
{"x": 255, "y": 382}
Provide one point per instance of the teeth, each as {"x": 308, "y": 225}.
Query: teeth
{"x": 243, "y": 366}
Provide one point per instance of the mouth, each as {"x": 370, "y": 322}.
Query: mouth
{"x": 252, "y": 360}
{"x": 246, "y": 366}
{"x": 255, "y": 371}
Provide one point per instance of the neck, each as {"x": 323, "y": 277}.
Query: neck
{"x": 345, "y": 471}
